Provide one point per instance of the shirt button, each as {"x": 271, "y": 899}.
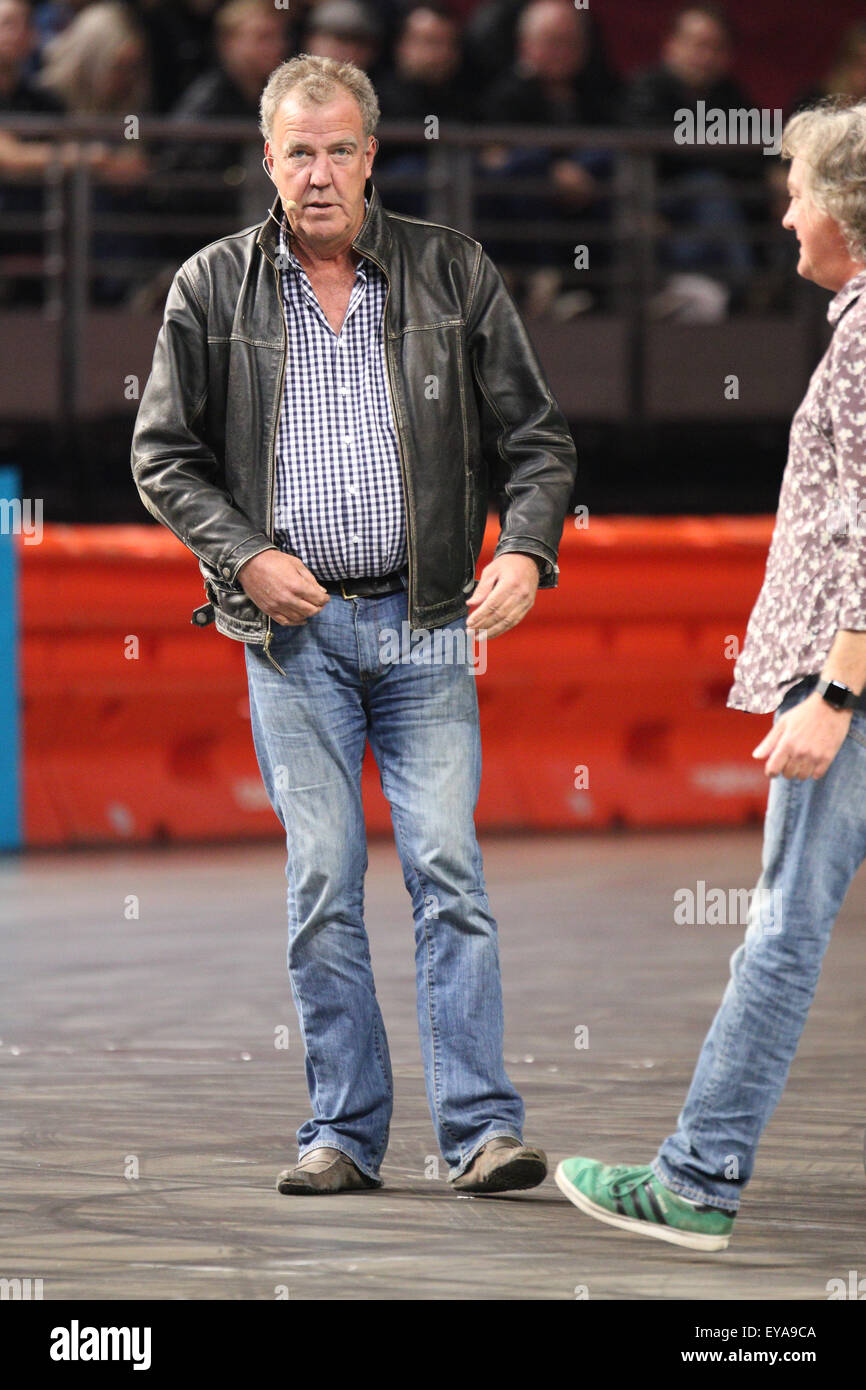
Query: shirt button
{"x": 348, "y": 440}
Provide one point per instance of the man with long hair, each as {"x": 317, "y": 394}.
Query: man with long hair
{"x": 804, "y": 658}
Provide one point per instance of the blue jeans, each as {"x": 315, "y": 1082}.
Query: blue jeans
{"x": 705, "y": 204}
{"x": 310, "y": 728}
{"x": 814, "y": 843}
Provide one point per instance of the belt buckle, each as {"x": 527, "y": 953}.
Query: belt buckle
{"x": 343, "y": 583}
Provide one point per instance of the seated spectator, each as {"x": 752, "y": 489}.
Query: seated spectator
{"x": 696, "y": 61}
{"x": 348, "y": 31}
{"x": 99, "y": 66}
{"x": 427, "y": 80}
{"x": 181, "y": 32}
{"x": 490, "y": 42}
{"x": 847, "y": 76}
{"x": 18, "y": 40}
{"x": 251, "y": 40}
{"x": 22, "y": 161}
{"x": 100, "y": 63}
{"x": 551, "y": 83}
{"x": 427, "y": 77}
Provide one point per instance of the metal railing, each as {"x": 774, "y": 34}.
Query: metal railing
{"x": 76, "y": 235}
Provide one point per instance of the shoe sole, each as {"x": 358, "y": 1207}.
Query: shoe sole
{"x": 692, "y": 1240}
{"x": 288, "y": 1191}
{"x": 516, "y": 1176}
{"x": 288, "y": 1187}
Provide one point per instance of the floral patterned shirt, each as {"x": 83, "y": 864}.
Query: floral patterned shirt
{"x": 815, "y": 581}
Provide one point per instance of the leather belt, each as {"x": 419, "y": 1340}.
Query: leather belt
{"x": 373, "y": 587}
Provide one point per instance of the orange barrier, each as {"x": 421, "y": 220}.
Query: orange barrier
{"x": 605, "y": 706}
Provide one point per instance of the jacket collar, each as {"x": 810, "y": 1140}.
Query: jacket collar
{"x": 373, "y": 239}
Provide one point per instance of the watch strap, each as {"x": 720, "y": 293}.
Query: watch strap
{"x": 837, "y": 694}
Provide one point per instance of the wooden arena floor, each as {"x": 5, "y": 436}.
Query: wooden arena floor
{"x": 145, "y": 1045}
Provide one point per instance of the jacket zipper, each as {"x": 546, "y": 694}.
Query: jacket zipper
{"x": 410, "y": 538}
{"x": 269, "y": 632}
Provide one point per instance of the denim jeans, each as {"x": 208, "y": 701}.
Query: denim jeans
{"x": 310, "y": 728}
{"x": 814, "y": 843}
{"x": 705, "y": 205}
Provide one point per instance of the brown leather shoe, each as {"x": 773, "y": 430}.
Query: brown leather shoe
{"x": 323, "y": 1171}
{"x": 503, "y": 1165}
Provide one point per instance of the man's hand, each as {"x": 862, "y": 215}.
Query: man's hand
{"x": 575, "y": 183}
{"x": 504, "y": 594}
{"x": 804, "y": 742}
{"x": 282, "y": 586}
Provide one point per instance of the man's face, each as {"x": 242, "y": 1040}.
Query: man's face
{"x": 16, "y": 35}
{"x": 427, "y": 49}
{"x": 552, "y": 44}
{"x": 824, "y": 256}
{"x": 256, "y": 46}
{"x": 698, "y": 51}
{"x": 318, "y": 157}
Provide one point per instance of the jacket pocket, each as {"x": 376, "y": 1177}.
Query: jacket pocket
{"x": 232, "y": 602}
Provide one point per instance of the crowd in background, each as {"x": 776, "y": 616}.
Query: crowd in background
{"x": 532, "y": 62}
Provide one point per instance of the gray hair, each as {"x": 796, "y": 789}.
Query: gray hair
{"x": 317, "y": 81}
{"x": 830, "y": 139}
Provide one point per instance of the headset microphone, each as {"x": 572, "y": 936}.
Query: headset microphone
{"x": 290, "y": 206}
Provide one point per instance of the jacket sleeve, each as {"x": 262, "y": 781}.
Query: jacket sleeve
{"x": 179, "y": 477}
{"x": 525, "y": 438}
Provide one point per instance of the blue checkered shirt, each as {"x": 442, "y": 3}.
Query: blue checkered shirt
{"x": 338, "y": 503}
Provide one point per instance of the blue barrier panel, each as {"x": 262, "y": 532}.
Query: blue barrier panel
{"x": 10, "y": 753}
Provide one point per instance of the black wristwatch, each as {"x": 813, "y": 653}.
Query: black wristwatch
{"x": 836, "y": 694}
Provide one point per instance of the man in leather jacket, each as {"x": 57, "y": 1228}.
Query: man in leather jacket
{"x": 334, "y": 395}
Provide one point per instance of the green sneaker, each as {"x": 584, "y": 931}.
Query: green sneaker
{"x": 634, "y": 1199}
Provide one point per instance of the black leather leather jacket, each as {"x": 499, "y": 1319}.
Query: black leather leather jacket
{"x": 471, "y": 406}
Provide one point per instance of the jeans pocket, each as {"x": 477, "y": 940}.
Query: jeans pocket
{"x": 857, "y": 730}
